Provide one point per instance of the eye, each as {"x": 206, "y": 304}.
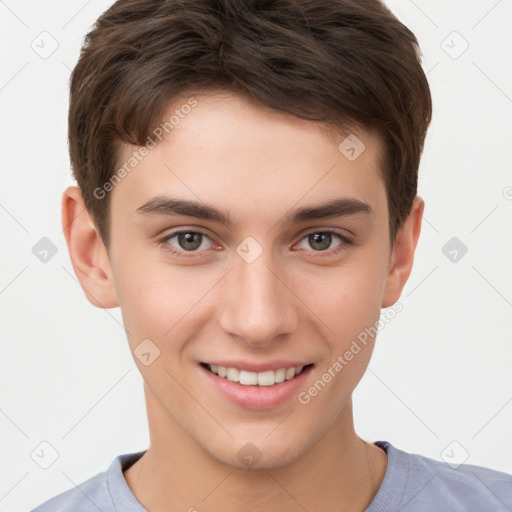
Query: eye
{"x": 181, "y": 242}
{"x": 322, "y": 240}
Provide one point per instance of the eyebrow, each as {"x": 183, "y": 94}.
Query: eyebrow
{"x": 341, "y": 207}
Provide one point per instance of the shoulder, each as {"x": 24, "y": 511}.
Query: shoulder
{"x": 87, "y": 496}
{"x": 104, "y": 492}
{"x": 426, "y": 484}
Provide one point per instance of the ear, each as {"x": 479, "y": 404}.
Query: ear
{"x": 88, "y": 254}
{"x": 402, "y": 257}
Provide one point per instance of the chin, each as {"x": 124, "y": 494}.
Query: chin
{"x": 262, "y": 454}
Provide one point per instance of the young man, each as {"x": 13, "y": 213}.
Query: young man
{"x": 249, "y": 176}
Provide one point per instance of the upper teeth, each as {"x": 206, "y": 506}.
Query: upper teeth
{"x": 267, "y": 378}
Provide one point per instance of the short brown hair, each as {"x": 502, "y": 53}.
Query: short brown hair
{"x": 339, "y": 62}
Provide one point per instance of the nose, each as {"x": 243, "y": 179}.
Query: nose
{"x": 257, "y": 306}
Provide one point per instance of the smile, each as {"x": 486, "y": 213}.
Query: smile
{"x": 247, "y": 378}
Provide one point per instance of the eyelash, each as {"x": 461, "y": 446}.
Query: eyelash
{"x": 345, "y": 242}
{"x": 316, "y": 254}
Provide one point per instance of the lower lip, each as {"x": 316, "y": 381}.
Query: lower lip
{"x": 257, "y": 397}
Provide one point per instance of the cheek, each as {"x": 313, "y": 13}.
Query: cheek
{"x": 158, "y": 300}
{"x": 346, "y": 298}
{"x": 351, "y": 310}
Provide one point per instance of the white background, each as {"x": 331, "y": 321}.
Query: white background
{"x": 441, "y": 371}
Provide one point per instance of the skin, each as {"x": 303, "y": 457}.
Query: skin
{"x": 257, "y": 165}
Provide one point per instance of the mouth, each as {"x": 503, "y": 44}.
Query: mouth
{"x": 257, "y": 386}
{"x": 265, "y": 378}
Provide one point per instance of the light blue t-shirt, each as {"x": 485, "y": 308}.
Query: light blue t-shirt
{"x": 412, "y": 483}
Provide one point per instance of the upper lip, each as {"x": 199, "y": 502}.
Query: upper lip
{"x": 257, "y": 367}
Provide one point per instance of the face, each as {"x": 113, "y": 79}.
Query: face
{"x": 247, "y": 242}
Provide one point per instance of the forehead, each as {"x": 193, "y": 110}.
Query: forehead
{"x": 221, "y": 146}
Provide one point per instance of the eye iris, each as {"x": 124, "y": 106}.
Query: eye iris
{"x": 324, "y": 239}
{"x": 190, "y": 241}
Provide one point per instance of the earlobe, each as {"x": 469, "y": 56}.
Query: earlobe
{"x": 402, "y": 257}
{"x": 88, "y": 254}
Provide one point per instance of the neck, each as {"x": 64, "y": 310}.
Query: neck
{"x": 340, "y": 472}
